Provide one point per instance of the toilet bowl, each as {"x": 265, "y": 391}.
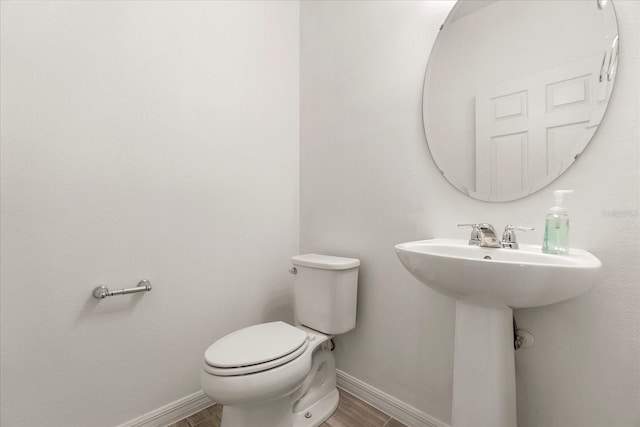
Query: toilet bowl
{"x": 277, "y": 390}
{"x": 278, "y": 375}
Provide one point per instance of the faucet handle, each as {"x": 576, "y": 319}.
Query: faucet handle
{"x": 469, "y": 225}
{"x": 474, "y": 239}
{"x": 509, "y": 235}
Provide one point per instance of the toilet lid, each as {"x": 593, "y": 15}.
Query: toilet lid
{"x": 254, "y": 347}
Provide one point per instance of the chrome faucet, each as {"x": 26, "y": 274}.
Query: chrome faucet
{"x": 483, "y": 235}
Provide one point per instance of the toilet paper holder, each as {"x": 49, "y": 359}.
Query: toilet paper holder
{"x": 102, "y": 292}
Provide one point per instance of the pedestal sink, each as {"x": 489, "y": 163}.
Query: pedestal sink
{"x": 487, "y": 284}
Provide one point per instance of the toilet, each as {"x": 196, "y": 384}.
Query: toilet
{"x": 279, "y": 375}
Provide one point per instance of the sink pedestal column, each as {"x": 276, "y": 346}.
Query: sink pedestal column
{"x": 484, "y": 383}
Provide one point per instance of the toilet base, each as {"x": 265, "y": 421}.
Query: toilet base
{"x": 319, "y": 411}
{"x": 278, "y": 413}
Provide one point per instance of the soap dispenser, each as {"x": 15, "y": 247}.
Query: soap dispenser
{"x": 556, "y": 231}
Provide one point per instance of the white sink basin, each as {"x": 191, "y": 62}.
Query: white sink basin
{"x": 519, "y": 278}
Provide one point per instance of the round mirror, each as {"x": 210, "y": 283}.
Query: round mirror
{"x": 515, "y": 89}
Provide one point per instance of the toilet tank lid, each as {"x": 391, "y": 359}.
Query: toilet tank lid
{"x": 325, "y": 262}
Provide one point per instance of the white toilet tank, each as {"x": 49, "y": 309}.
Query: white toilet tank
{"x": 325, "y": 292}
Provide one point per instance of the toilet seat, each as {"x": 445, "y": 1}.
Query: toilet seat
{"x": 255, "y": 349}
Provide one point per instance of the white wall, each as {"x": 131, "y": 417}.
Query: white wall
{"x": 150, "y": 140}
{"x": 368, "y": 182}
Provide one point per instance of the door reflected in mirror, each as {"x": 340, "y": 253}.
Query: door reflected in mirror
{"x": 515, "y": 90}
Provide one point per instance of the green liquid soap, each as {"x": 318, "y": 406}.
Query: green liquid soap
{"x": 556, "y": 235}
{"x": 556, "y": 230}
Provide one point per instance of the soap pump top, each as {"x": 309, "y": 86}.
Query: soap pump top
{"x": 558, "y": 197}
{"x": 556, "y": 230}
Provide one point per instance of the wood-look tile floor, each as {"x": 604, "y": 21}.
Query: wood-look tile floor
{"x": 351, "y": 412}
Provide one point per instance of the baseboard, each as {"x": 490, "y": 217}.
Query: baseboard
{"x": 173, "y": 412}
{"x": 391, "y": 406}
